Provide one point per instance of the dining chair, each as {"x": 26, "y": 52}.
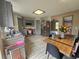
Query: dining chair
{"x": 53, "y": 50}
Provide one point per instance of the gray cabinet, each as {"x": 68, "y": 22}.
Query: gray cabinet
{"x": 6, "y": 18}
{"x": 2, "y": 13}
{"x": 8, "y": 14}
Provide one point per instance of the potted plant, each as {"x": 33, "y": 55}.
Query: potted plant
{"x": 63, "y": 30}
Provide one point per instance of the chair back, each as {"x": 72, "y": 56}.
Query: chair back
{"x": 51, "y": 49}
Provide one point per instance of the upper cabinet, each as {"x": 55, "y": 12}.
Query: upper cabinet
{"x": 6, "y": 18}
{"x": 2, "y": 13}
{"x": 8, "y": 14}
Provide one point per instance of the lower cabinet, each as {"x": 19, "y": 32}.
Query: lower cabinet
{"x": 17, "y": 53}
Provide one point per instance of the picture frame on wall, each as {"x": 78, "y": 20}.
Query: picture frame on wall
{"x": 68, "y": 21}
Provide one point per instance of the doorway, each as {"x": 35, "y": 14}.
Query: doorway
{"x": 38, "y": 27}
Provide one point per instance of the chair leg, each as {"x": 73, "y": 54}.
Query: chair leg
{"x": 48, "y": 56}
{"x": 61, "y": 55}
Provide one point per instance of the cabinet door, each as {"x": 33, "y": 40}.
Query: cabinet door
{"x": 9, "y": 14}
{"x": 2, "y": 9}
{"x": 6, "y": 18}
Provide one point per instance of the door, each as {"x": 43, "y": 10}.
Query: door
{"x": 38, "y": 27}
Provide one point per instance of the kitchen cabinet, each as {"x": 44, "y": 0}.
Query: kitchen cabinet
{"x": 2, "y": 13}
{"x": 8, "y": 14}
{"x": 6, "y": 18}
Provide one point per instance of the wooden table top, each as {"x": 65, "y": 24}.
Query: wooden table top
{"x": 65, "y": 46}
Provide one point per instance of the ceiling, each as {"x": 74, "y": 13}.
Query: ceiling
{"x": 51, "y": 7}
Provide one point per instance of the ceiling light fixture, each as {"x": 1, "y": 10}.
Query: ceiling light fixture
{"x": 39, "y": 11}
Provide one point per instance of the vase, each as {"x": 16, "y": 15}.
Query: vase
{"x": 62, "y": 35}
